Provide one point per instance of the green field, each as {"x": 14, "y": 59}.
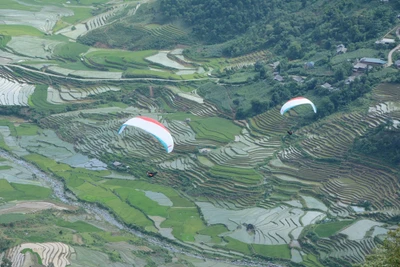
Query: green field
{"x": 70, "y": 51}
{"x": 214, "y": 128}
{"x": 329, "y": 229}
{"x": 12, "y": 217}
{"x": 185, "y": 223}
{"x": 79, "y": 226}
{"x": 38, "y": 100}
{"x": 27, "y": 129}
{"x": 272, "y": 251}
{"x": 236, "y": 245}
{"x": 13, "y": 191}
{"x": 120, "y": 57}
{"x": 17, "y": 30}
{"x": 214, "y": 230}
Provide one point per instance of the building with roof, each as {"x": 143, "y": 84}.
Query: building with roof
{"x": 360, "y": 66}
{"x": 373, "y": 61}
{"x": 298, "y": 79}
{"x": 278, "y": 78}
{"x": 341, "y": 49}
{"x": 385, "y": 41}
{"x": 309, "y": 65}
{"x": 397, "y": 63}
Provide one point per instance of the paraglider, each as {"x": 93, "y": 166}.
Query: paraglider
{"x": 153, "y": 127}
{"x": 151, "y": 174}
{"x": 289, "y": 132}
{"x": 296, "y": 102}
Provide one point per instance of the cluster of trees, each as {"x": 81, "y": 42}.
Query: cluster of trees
{"x": 382, "y": 142}
{"x": 218, "y": 20}
{"x": 295, "y": 34}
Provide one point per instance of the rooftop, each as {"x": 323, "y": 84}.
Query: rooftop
{"x": 372, "y": 60}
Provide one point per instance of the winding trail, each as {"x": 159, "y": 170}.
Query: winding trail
{"x": 59, "y": 192}
{"x": 390, "y": 60}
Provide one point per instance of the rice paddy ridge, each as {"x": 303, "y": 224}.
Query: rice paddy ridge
{"x": 248, "y": 60}
{"x": 271, "y": 122}
{"x": 247, "y": 151}
{"x": 386, "y": 92}
{"x": 167, "y": 31}
{"x": 351, "y": 250}
{"x": 102, "y": 19}
{"x": 13, "y": 93}
{"x": 66, "y": 94}
{"x": 181, "y": 103}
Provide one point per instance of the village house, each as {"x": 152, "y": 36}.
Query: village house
{"x": 278, "y": 78}
{"x": 274, "y": 65}
{"x": 373, "y": 61}
{"x": 309, "y": 65}
{"x": 385, "y": 41}
{"x": 360, "y": 67}
{"x": 298, "y": 79}
{"x": 341, "y": 49}
{"x": 350, "y": 79}
{"x": 397, "y": 63}
{"x": 204, "y": 151}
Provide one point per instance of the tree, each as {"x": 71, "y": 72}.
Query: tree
{"x": 6, "y": 263}
{"x": 387, "y": 255}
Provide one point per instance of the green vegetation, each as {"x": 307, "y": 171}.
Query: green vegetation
{"x": 329, "y": 229}
{"x": 120, "y": 58}
{"x": 27, "y": 129}
{"x": 13, "y": 191}
{"x": 381, "y": 143}
{"x": 70, "y": 51}
{"x": 28, "y": 250}
{"x": 236, "y": 245}
{"x": 78, "y": 226}
{"x": 12, "y": 217}
{"x": 17, "y": 30}
{"x": 215, "y": 128}
{"x": 38, "y": 100}
{"x": 388, "y": 254}
{"x": 275, "y": 251}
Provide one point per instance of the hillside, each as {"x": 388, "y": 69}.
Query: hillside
{"x": 236, "y": 189}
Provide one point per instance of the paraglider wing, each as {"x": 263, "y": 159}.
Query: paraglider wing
{"x": 153, "y": 127}
{"x": 296, "y": 102}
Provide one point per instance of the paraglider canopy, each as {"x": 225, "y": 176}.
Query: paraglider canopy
{"x": 153, "y": 127}
{"x": 296, "y": 102}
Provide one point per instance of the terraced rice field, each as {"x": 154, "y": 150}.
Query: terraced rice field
{"x": 65, "y": 94}
{"x": 13, "y": 93}
{"x": 272, "y": 227}
{"x": 55, "y": 252}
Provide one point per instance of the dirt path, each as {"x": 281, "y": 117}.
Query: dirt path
{"x": 6, "y": 66}
{"x": 390, "y": 60}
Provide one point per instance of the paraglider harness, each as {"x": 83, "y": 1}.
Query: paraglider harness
{"x": 151, "y": 174}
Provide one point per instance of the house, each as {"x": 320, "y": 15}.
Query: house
{"x": 117, "y": 163}
{"x": 274, "y": 65}
{"x": 298, "y": 79}
{"x": 309, "y": 65}
{"x": 350, "y": 79}
{"x": 329, "y": 87}
{"x": 360, "y": 67}
{"x": 341, "y": 49}
{"x": 278, "y": 78}
{"x": 397, "y": 63}
{"x": 204, "y": 150}
{"x": 385, "y": 41}
{"x": 372, "y": 61}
